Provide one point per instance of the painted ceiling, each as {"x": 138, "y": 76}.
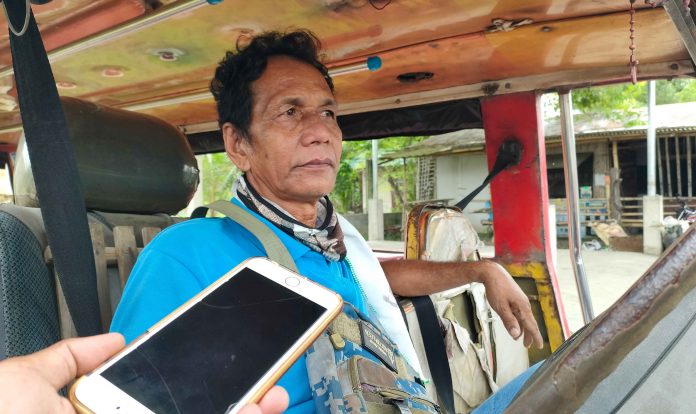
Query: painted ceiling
{"x": 471, "y": 48}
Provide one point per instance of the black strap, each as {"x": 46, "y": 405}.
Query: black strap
{"x": 435, "y": 350}
{"x": 509, "y": 153}
{"x": 55, "y": 171}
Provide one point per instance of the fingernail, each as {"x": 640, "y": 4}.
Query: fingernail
{"x": 515, "y": 332}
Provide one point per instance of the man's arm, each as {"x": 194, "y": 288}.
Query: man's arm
{"x": 420, "y": 277}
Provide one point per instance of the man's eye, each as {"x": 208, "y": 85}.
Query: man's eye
{"x": 291, "y": 112}
{"x": 329, "y": 113}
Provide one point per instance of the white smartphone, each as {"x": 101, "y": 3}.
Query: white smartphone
{"x": 220, "y": 350}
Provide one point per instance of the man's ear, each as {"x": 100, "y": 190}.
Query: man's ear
{"x": 237, "y": 147}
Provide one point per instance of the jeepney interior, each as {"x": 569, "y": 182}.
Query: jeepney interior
{"x": 445, "y": 66}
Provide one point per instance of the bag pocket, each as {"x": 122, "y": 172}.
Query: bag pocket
{"x": 370, "y": 387}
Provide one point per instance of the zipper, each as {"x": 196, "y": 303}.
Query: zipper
{"x": 360, "y": 287}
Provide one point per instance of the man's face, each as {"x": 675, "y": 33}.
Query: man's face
{"x": 295, "y": 144}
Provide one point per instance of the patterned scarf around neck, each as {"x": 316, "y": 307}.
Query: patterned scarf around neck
{"x": 326, "y": 238}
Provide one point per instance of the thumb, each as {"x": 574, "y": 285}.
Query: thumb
{"x": 64, "y": 361}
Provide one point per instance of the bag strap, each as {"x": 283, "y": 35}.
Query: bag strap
{"x": 55, "y": 170}
{"x": 509, "y": 153}
{"x": 275, "y": 249}
{"x": 435, "y": 350}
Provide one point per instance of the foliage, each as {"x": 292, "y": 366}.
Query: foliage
{"x": 356, "y": 160}
{"x": 217, "y": 176}
{"x": 347, "y": 193}
{"x": 675, "y": 91}
{"x": 621, "y": 102}
{"x": 618, "y": 102}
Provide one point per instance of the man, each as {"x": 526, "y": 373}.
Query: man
{"x": 29, "y": 384}
{"x": 277, "y": 114}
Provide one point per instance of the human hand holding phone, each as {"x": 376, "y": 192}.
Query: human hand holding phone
{"x": 219, "y": 351}
{"x": 29, "y": 383}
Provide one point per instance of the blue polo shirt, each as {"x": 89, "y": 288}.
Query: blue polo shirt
{"x": 185, "y": 258}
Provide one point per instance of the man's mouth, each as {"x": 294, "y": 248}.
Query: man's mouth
{"x": 318, "y": 163}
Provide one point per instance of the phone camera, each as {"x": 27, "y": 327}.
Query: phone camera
{"x": 292, "y": 281}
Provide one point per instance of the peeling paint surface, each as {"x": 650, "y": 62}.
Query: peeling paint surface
{"x": 447, "y": 38}
{"x": 594, "y": 354}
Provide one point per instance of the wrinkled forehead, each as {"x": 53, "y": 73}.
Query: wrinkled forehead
{"x": 288, "y": 78}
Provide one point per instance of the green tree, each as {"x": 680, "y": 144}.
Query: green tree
{"x": 621, "y": 102}
{"x": 217, "y": 176}
{"x": 347, "y": 194}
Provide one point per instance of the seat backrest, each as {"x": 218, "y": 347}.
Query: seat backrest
{"x": 136, "y": 171}
{"x": 28, "y": 311}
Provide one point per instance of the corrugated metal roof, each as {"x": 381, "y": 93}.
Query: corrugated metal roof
{"x": 670, "y": 119}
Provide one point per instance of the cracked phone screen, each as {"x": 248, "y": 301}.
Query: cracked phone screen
{"x": 209, "y": 357}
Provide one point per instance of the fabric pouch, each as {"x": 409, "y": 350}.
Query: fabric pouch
{"x": 371, "y": 387}
{"x": 355, "y": 368}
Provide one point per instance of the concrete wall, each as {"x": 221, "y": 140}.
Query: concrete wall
{"x": 391, "y": 222}
{"x": 457, "y": 176}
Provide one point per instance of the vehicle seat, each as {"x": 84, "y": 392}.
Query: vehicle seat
{"x": 136, "y": 172}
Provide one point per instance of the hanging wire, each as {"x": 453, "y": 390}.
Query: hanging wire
{"x": 632, "y": 61}
{"x": 26, "y": 20}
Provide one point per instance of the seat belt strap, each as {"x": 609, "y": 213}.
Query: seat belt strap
{"x": 509, "y": 154}
{"x": 275, "y": 249}
{"x": 55, "y": 170}
{"x": 435, "y": 350}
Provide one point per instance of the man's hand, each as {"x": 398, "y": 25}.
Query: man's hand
{"x": 419, "y": 277}
{"x": 29, "y": 384}
{"x": 510, "y": 302}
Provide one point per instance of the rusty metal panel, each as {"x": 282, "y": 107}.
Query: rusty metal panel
{"x": 608, "y": 363}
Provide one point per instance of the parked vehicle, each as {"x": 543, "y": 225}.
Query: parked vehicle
{"x": 686, "y": 213}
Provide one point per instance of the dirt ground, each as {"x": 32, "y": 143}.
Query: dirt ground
{"x": 609, "y": 275}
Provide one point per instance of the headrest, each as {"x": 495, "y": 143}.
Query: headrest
{"x": 128, "y": 162}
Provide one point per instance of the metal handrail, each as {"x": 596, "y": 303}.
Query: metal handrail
{"x": 571, "y": 182}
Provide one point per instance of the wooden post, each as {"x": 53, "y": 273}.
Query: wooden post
{"x": 96, "y": 231}
{"x": 689, "y": 188}
{"x": 66, "y": 325}
{"x": 660, "y": 179}
{"x": 616, "y": 207}
{"x": 126, "y": 251}
{"x": 148, "y": 234}
{"x": 615, "y": 183}
{"x": 677, "y": 164}
{"x": 669, "y": 172}
{"x": 615, "y": 153}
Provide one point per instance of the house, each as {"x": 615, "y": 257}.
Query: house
{"x": 452, "y": 165}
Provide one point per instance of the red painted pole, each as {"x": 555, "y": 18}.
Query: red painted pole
{"x": 519, "y": 194}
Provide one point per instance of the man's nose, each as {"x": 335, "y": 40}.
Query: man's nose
{"x": 318, "y": 129}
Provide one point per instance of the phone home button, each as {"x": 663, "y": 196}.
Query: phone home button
{"x": 292, "y": 281}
